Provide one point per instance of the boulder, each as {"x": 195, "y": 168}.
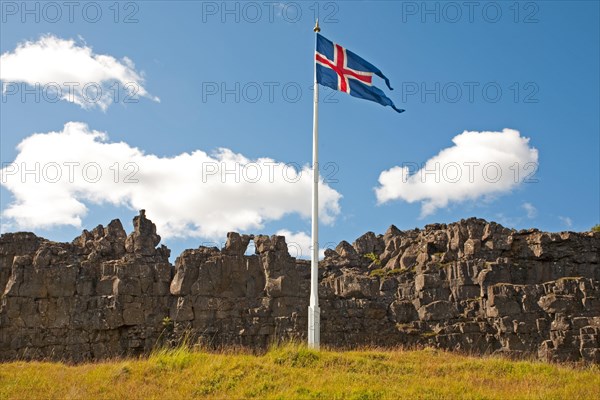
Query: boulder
{"x": 471, "y": 286}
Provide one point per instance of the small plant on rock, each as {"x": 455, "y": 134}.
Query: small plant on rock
{"x": 378, "y": 272}
{"x": 167, "y": 324}
{"x": 396, "y": 271}
{"x": 373, "y": 257}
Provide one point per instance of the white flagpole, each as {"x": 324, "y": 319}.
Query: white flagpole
{"x": 314, "y": 313}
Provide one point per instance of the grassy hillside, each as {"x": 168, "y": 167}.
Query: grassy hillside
{"x": 294, "y": 372}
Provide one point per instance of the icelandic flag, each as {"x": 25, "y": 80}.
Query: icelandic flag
{"x": 342, "y": 70}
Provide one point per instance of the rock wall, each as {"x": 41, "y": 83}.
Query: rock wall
{"x": 471, "y": 286}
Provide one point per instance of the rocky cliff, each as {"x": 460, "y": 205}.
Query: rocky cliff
{"x": 470, "y": 286}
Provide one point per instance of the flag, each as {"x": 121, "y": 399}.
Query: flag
{"x": 342, "y": 70}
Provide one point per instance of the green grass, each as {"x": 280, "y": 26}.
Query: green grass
{"x": 295, "y": 372}
{"x": 383, "y": 273}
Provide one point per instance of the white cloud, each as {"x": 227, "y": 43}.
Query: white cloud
{"x": 530, "y": 210}
{"x": 189, "y": 195}
{"x": 507, "y": 221}
{"x": 568, "y": 222}
{"x": 5, "y": 228}
{"x": 480, "y": 165}
{"x": 299, "y": 244}
{"x": 60, "y": 68}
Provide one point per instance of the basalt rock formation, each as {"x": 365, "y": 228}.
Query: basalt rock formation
{"x": 471, "y": 286}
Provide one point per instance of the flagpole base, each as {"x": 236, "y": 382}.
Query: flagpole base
{"x": 314, "y": 327}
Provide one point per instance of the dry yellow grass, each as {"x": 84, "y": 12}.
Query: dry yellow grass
{"x": 295, "y": 372}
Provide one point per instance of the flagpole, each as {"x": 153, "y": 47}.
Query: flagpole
{"x": 314, "y": 313}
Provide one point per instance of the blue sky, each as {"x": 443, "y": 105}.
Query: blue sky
{"x": 531, "y": 67}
